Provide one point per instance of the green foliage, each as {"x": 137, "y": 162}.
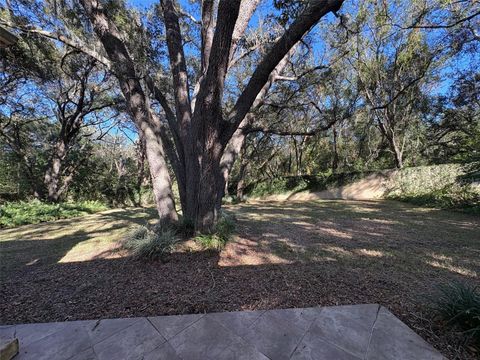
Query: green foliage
{"x": 150, "y": 242}
{"x": 278, "y": 186}
{"x": 19, "y": 213}
{"x": 445, "y": 186}
{"x": 220, "y": 236}
{"x": 459, "y": 305}
{"x": 453, "y": 196}
{"x": 425, "y": 179}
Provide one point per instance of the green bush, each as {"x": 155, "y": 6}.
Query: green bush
{"x": 455, "y": 196}
{"x": 277, "y": 186}
{"x": 459, "y": 305}
{"x": 20, "y": 213}
{"x": 220, "y": 236}
{"x": 150, "y": 242}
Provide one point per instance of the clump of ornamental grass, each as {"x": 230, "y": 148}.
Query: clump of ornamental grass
{"x": 150, "y": 242}
{"x": 458, "y": 304}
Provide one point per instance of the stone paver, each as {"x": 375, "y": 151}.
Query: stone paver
{"x": 340, "y": 332}
{"x": 132, "y": 342}
{"x": 387, "y": 327}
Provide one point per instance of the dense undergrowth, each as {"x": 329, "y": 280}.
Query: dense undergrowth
{"x": 21, "y": 213}
{"x": 303, "y": 183}
{"x": 454, "y": 197}
{"x": 448, "y": 186}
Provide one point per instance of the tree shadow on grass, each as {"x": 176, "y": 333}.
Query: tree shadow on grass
{"x": 329, "y": 257}
{"x": 27, "y": 246}
{"x": 306, "y": 254}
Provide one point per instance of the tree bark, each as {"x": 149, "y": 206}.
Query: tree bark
{"x": 141, "y": 155}
{"x": 204, "y": 134}
{"x": 53, "y": 174}
{"x": 398, "y": 154}
{"x": 138, "y": 106}
{"x": 335, "y": 149}
{"x": 241, "y": 175}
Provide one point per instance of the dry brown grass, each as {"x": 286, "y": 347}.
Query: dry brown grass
{"x": 292, "y": 254}
{"x": 364, "y": 233}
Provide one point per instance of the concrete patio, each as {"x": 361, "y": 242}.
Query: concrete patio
{"x": 340, "y": 332}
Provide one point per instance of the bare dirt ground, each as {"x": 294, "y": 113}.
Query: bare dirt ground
{"x": 292, "y": 254}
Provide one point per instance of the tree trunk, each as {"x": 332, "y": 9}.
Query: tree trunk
{"x": 53, "y": 175}
{"x": 161, "y": 183}
{"x": 229, "y": 156}
{"x": 210, "y": 191}
{"x": 241, "y": 176}
{"x": 335, "y": 150}
{"x": 138, "y": 107}
{"x": 398, "y": 155}
{"x": 140, "y": 152}
{"x": 121, "y": 191}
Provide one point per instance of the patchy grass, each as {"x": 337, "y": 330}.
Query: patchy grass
{"x": 67, "y": 240}
{"x": 291, "y": 254}
{"x": 33, "y": 212}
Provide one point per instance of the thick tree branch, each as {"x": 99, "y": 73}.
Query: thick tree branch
{"x": 313, "y": 12}
{"x": 73, "y": 43}
{"x": 207, "y": 32}
{"x": 211, "y": 87}
{"x": 178, "y": 66}
{"x": 247, "y": 8}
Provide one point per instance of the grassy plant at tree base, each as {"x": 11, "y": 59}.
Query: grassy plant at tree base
{"x": 459, "y": 305}
{"x": 220, "y": 236}
{"x": 150, "y": 242}
{"x": 33, "y": 212}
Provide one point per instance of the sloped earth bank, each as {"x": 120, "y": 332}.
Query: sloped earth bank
{"x": 284, "y": 255}
{"x": 374, "y": 186}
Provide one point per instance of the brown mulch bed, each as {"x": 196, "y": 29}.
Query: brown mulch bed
{"x": 196, "y": 283}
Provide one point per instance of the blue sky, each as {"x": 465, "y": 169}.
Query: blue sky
{"x": 142, "y": 3}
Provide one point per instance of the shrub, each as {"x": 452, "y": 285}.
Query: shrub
{"x": 459, "y": 305}
{"x": 277, "y": 186}
{"x": 150, "y": 242}
{"x": 20, "y": 213}
{"x": 455, "y": 196}
{"x": 220, "y": 236}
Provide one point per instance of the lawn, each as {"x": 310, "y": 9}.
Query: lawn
{"x": 294, "y": 254}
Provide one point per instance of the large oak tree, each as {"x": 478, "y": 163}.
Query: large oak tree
{"x": 199, "y": 122}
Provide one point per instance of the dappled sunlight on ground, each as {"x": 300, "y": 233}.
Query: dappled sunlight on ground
{"x": 282, "y": 255}
{"x": 67, "y": 240}
{"x": 370, "y": 234}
